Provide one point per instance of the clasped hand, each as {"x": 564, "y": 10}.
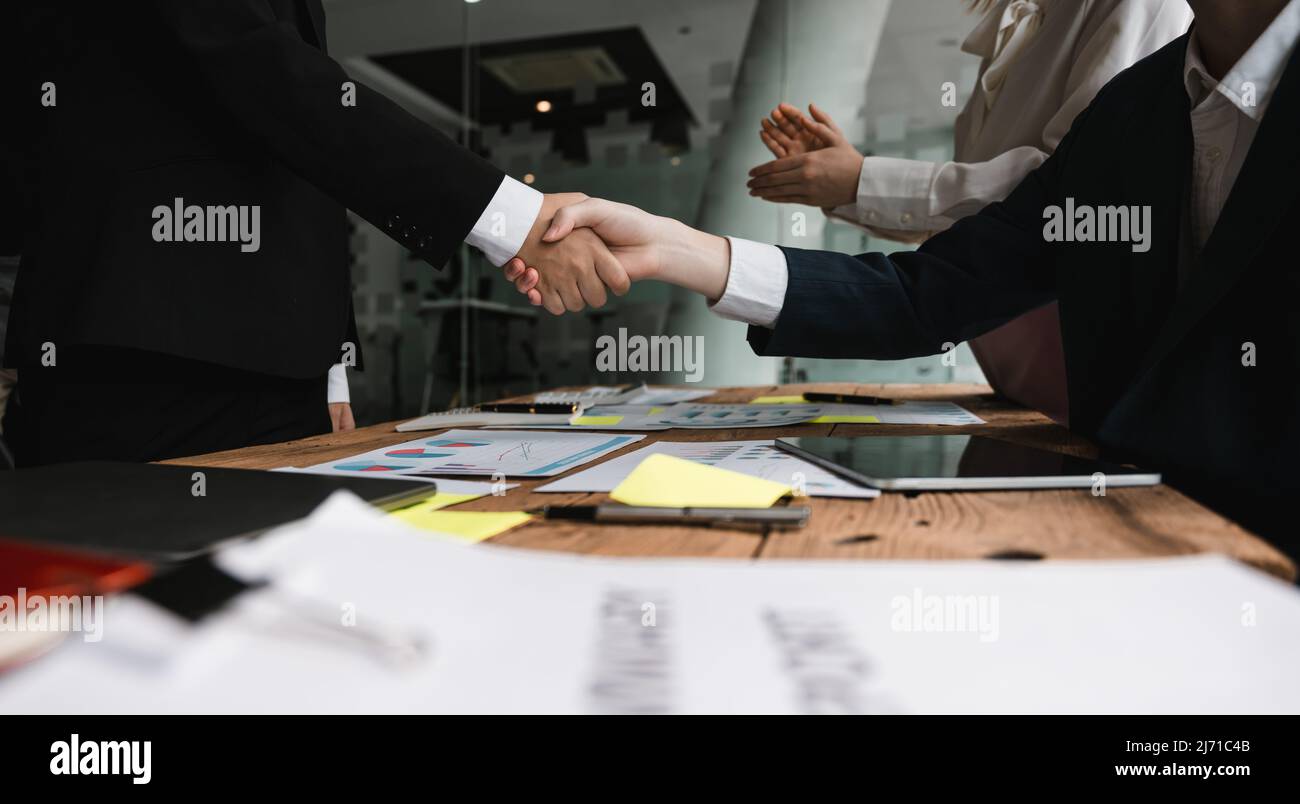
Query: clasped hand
{"x": 583, "y": 242}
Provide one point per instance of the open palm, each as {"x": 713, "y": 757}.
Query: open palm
{"x": 788, "y": 133}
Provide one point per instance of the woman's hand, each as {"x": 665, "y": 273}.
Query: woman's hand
{"x": 784, "y": 136}
{"x": 815, "y": 164}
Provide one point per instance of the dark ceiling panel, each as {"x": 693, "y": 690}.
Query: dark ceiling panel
{"x": 620, "y": 62}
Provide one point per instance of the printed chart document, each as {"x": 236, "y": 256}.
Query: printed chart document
{"x": 909, "y": 412}
{"x": 700, "y": 415}
{"x": 469, "y": 417}
{"x": 462, "y": 489}
{"x": 754, "y": 458}
{"x": 595, "y": 394}
{"x": 621, "y": 395}
{"x": 944, "y": 413}
{"x": 706, "y": 416}
{"x": 692, "y": 416}
{"x": 489, "y": 628}
{"x": 484, "y": 452}
{"x": 665, "y": 395}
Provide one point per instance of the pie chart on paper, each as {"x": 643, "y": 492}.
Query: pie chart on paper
{"x": 416, "y": 452}
{"x": 369, "y": 466}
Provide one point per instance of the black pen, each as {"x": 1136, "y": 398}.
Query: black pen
{"x": 529, "y": 407}
{"x": 850, "y": 399}
{"x": 779, "y": 518}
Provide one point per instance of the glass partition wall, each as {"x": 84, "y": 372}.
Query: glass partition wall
{"x": 653, "y": 104}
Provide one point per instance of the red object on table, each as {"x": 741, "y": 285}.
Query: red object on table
{"x": 42, "y": 572}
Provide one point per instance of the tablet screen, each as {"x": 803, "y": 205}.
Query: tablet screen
{"x": 954, "y": 457}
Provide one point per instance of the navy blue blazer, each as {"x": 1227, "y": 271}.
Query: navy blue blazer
{"x": 1156, "y": 371}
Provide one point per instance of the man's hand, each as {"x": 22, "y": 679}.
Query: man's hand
{"x": 573, "y": 272}
{"x": 646, "y": 246}
{"x": 816, "y": 165}
{"x": 341, "y": 417}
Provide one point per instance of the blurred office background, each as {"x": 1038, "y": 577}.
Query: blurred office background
{"x": 552, "y": 92}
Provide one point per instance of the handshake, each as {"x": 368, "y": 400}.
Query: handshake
{"x": 581, "y": 247}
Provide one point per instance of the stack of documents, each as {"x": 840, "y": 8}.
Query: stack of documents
{"x": 451, "y": 628}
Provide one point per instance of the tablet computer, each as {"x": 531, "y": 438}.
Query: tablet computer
{"x": 165, "y": 512}
{"x": 956, "y": 463}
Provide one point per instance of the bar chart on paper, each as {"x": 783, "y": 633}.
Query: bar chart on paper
{"x": 724, "y": 416}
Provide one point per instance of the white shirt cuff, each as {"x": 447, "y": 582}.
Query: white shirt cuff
{"x": 506, "y": 220}
{"x": 336, "y": 385}
{"x": 756, "y": 284}
{"x": 892, "y": 194}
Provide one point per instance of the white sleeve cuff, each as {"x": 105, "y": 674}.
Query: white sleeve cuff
{"x": 756, "y": 284}
{"x": 336, "y": 385}
{"x": 892, "y": 194}
{"x": 506, "y": 220}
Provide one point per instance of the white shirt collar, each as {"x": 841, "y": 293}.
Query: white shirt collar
{"x": 1255, "y": 74}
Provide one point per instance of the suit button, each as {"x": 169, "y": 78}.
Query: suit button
{"x": 906, "y": 217}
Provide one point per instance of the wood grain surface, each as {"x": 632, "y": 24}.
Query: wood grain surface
{"x": 1003, "y": 525}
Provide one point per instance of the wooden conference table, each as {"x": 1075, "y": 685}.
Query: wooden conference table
{"x": 1010, "y": 525}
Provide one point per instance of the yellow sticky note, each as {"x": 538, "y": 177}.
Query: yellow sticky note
{"x": 597, "y": 421}
{"x": 846, "y": 420}
{"x": 444, "y": 500}
{"x": 656, "y": 410}
{"x": 468, "y": 526}
{"x": 793, "y": 399}
{"x": 669, "y": 482}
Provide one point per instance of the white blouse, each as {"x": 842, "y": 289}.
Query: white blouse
{"x": 1043, "y": 61}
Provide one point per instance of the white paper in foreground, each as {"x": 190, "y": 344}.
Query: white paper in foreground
{"x": 518, "y": 631}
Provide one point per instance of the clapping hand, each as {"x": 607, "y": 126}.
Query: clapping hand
{"x": 815, "y": 164}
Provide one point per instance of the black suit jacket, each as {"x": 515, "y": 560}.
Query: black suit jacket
{"x": 1155, "y": 371}
{"x": 218, "y": 102}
